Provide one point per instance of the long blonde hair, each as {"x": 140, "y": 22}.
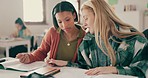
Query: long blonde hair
{"x": 105, "y": 25}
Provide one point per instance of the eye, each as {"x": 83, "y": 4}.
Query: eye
{"x": 68, "y": 19}
{"x": 86, "y": 18}
{"x": 59, "y": 21}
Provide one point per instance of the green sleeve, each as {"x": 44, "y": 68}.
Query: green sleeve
{"x": 138, "y": 65}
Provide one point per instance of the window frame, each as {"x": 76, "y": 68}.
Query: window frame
{"x": 79, "y": 4}
{"x": 44, "y": 22}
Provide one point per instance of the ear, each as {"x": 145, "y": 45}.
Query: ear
{"x": 74, "y": 15}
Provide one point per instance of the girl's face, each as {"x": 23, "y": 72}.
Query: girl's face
{"x": 65, "y": 21}
{"x": 18, "y": 26}
{"x": 88, "y": 20}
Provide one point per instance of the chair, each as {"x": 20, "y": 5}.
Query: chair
{"x": 33, "y": 44}
{"x": 145, "y": 32}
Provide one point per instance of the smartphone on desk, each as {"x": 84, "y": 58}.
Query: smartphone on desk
{"x": 2, "y": 60}
{"x": 6, "y": 59}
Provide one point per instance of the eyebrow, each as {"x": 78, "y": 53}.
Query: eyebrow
{"x": 85, "y": 16}
{"x": 64, "y": 18}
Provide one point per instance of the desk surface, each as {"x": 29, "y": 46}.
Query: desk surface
{"x": 14, "y": 42}
{"x": 65, "y": 73}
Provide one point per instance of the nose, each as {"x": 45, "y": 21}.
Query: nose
{"x": 64, "y": 24}
{"x": 84, "y": 25}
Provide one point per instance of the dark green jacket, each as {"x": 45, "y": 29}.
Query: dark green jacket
{"x": 131, "y": 55}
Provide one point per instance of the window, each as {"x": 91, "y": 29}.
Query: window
{"x": 34, "y": 11}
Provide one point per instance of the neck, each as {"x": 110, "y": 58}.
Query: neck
{"x": 72, "y": 35}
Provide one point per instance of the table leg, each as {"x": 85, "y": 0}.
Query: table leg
{"x": 28, "y": 48}
{"x": 7, "y": 51}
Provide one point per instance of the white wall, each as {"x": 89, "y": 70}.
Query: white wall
{"x": 9, "y": 11}
{"x": 140, "y": 4}
{"x": 38, "y": 29}
{"x": 134, "y": 18}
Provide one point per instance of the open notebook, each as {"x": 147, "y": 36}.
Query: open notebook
{"x": 14, "y": 64}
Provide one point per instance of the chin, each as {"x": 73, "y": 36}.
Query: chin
{"x": 91, "y": 32}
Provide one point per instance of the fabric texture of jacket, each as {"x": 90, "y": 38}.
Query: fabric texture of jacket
{"x": 131, "y": 55}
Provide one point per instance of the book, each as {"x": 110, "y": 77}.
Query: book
{"x": 44, "y": 71}
{"x": 15, "y": 64}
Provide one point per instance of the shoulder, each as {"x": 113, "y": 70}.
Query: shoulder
{"x": 52, "y": 32}
{"x": 26, "y": 30}
{"x": 87, "y": 42}
{"x": 132, "y": 40}
{"x": 137, "y": 38}
{"x": 141, "y": 39}
{"x": 135, "y": 43}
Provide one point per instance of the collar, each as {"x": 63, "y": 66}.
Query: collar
{"x": 80, "y": 34}
{"x": 89, "y": 36}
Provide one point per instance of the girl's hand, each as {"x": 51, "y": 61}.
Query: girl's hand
{"x": 53, "y": 62}
{"x": 102, "y": 70}
{"x": 23, "y": 57}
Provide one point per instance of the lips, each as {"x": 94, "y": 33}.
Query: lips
{"x": 67, "y": 29}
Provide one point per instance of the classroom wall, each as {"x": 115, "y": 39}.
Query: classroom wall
{"x": 134, "y": 18}
{"x": 11, "y": 9}
{"x": 39, "y": 29}
{"x": 140, "y": 4}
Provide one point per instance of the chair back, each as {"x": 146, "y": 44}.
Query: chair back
{"x": 32, "y": 43}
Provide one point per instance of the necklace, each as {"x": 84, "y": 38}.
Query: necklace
{"x": 68, "y": 44}
{"x": 67, "y": 41}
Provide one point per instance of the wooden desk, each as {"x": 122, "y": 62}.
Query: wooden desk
{"x": 9, "y": 43}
